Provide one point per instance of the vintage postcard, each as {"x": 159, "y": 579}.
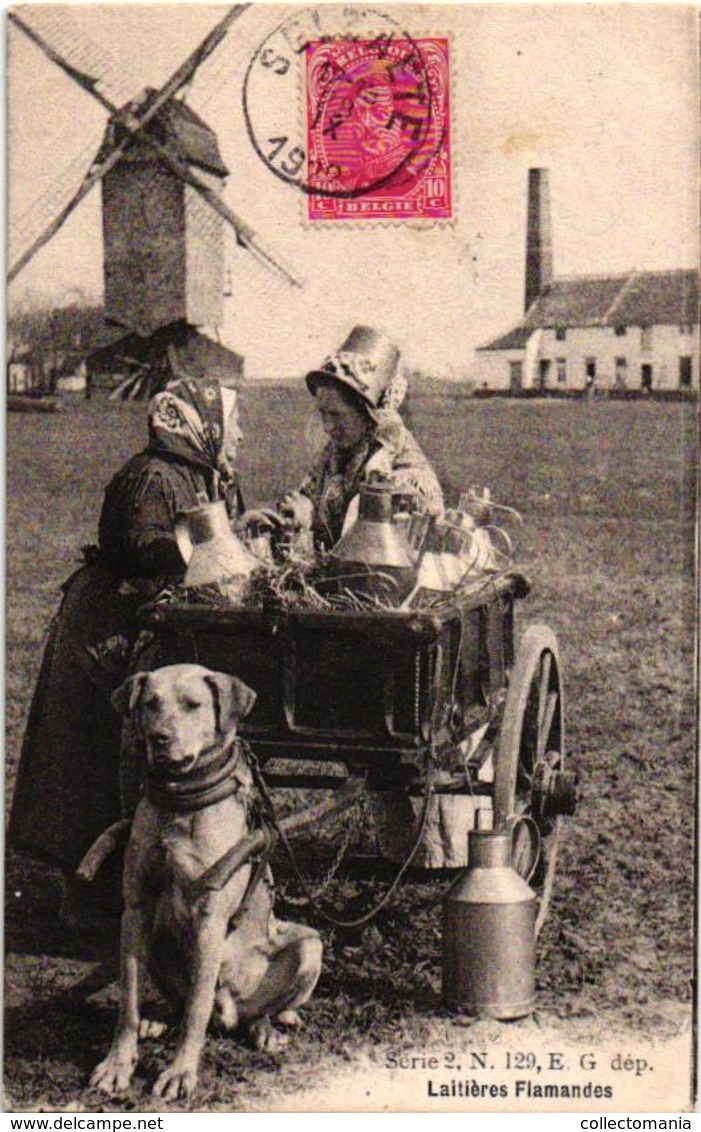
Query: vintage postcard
{"x": 352, "y": 381}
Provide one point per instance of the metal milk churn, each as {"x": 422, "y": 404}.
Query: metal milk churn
{"x": 374, "y": 539}
{"x": 374, "y": 546}
{"x": 489, "y": 933}
{"x": 210, "y": 547}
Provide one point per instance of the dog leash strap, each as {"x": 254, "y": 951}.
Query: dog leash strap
{"x": 116, "y": 836}
{"x": 313, "y": 902}
{"x": 259, "y": 844}
{"x": 254, "y": 880}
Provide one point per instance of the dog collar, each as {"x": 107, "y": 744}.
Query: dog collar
{"x": 216, "y": 776}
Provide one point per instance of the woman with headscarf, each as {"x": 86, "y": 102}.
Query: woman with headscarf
{"x": 68, "y": 784}
{"x": 357, "y": 392}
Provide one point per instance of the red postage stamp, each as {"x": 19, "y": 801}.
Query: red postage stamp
{"x": 378, "y": 130}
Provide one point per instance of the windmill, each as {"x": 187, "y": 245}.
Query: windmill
{"x": 163, "y": 213}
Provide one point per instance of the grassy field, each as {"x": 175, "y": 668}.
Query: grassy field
{"x": 607, "y": 494}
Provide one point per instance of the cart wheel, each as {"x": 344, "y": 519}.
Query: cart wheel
{"x": 530, "y": 761}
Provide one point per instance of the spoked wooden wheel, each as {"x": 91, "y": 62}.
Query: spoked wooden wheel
{"x": 531, "y": 789}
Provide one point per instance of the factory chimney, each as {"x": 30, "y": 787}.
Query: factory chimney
{"x": 539, "y": 250}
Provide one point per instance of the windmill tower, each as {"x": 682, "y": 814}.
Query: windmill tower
{"x": 162, "y": 179}
{"x": 163, "y": 246}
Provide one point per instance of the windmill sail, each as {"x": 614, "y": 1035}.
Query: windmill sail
{"x": 89, "y": 70}
{"x": 24, "y": 227}
{"x": 55, "y": 31}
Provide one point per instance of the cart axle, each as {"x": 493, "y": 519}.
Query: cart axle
{"x": 554, "y": 793}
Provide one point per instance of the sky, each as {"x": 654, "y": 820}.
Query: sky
{"x": 604, "y": 96}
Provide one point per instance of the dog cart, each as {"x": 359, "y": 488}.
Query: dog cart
{"x": 417, "y": 701}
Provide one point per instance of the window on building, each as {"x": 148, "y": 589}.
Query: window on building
{"x": 684, "y": 372}
{"x": 646, "y": 376}
{"x": 686, "y": 329}
{"x": 515, "y": 376}
{"x": 590, "y": 370}
{"x": 620, "y": 331}
{"x": 646, "y": 338}
{"x": 562, "y": 371}
{"x": 543, "y": 372}
{"x": 621, "y": 373}
{"x": 560, "y": 333}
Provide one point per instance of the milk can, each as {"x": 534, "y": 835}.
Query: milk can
{"x": 489, "y": 933}
{"x": 375, "y": 540}
{"x": 210, "y": 547}
{"x": 375, "y": 549}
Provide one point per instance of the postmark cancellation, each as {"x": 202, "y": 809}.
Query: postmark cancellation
{"x": 378, "y": 129}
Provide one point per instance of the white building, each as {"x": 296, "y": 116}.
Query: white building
{"x": 636, "y": 331}
{"x": 24, "y": 369}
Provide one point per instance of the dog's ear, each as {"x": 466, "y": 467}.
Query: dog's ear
{"x": 233, "y": 699}
{"x": 126, "y": 698}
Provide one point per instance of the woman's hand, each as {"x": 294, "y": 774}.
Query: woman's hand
{"x": 297, "y": 508}
{"x": 293, "y": 510}
{"x": 265, "y": 518}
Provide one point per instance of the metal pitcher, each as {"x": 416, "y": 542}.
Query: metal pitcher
{"x": 375, "y": 540}
{"x": 210, "y": 548}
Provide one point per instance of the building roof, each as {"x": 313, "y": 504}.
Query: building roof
{"x": 514, "y": 340}
{"x": 197, "y": 142}
{"x": 177, "y": 127}
{"x": 643, "y": 298}
{"x": 18, "y": 351}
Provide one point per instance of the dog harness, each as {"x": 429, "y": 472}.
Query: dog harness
{"x": 217, "y": 775}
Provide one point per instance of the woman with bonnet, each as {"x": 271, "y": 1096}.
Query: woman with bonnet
{"x": 357, "y": 393}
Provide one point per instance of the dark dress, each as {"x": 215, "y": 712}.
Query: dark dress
{"x": 67, "y": 789}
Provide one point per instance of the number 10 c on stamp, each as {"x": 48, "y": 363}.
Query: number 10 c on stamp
{"x": 378, "y": 129}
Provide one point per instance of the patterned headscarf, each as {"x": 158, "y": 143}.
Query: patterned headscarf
{"x": 187, "y": 419}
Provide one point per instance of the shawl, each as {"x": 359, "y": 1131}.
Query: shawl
{"x": 333, "y": 482}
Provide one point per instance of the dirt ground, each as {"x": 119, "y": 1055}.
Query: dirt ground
{"x": 606, "y": 491}
{"x": 376, "y": 997}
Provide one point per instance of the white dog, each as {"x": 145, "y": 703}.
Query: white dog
{"x": 210, "y": 951}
